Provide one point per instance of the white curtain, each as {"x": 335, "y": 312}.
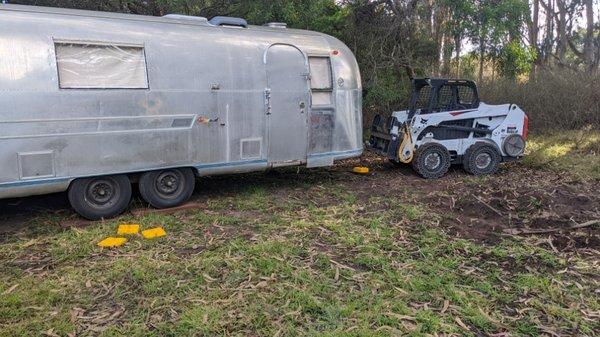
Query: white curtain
{"x": 320, "y": 73}
{"x": 321, "y": 98}
{"x": 101, "y": 66}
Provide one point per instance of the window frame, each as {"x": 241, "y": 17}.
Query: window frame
{"x": 141, "y": 46}
{"x": 330, "y": 89}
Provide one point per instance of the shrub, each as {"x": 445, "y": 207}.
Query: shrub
{"x": 555, "y": 100}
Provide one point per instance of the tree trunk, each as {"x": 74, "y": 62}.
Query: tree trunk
{"x": 481, "y": 53}
{"x": 446, "y": 55}
{"x": 548, "y": 45}
{"x": 588, "y": 48}
{"x": 458, "y": 47}
{"x": 561, "y": 28}
{"x": 437, "y": 17}
{"x": 534, "y": 31}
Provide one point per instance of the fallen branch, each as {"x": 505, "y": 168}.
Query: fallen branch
{"x": 515, "y": 231}
{"x": 488, "y": 205}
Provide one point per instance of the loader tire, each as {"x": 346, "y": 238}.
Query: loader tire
{"x": 167, "y": 188}
{"x": 431, "y": 161}
{"x": 100, "y": 197}
{"x": 481, "y": 159}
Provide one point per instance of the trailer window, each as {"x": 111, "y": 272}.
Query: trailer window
{"x": 93, "y": 66}
{"x": 321, "y": 80}
{"x": 320, "y": 73}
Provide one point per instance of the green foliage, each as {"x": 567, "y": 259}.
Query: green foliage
{"x": 320, "y": 15}
{"x": 468, "y": 65}
{"x": 394, "y": 40}
{"x": 515, "y": 59}
{"x": 386, "y": 90}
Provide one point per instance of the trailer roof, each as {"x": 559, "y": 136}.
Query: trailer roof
{"x": 168, "y": 19}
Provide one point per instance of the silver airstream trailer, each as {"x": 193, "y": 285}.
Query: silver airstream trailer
{"x": 91, "y": 101}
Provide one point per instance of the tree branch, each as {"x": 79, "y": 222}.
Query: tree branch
{"x": 573, "y": 47}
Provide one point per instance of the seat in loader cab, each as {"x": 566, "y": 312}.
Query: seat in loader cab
{"x": 432, "y": 95}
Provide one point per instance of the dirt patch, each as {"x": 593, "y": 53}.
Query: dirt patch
{"x": 482, "y": 208}
{"x": 478, "y": 208}
{"x": 16, "y": 213}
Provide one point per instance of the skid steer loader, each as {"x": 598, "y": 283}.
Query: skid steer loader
{"x": 447, "y": 124}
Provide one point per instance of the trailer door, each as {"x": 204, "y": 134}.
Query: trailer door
{"x": 287, "y": 98}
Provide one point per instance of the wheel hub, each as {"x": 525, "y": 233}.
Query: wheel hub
{"x": 101, "y": 192}
{"x": 483, "y": 160}
{"x": 168, "y": 182}
{"x": 433, "y": 161}
{"x": 514, "y": 145}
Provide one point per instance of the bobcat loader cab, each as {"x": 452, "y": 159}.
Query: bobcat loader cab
{"x": 447, "y": 124}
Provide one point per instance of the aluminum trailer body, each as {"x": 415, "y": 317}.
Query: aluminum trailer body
{"x": 85, "y": 94}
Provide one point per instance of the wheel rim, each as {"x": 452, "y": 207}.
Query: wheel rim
{"x": 102, "y": 192}
{"x": 483, "y": 160}
{"x": 433, "y": 161}
{"x": 169, "y": 183}
{"x": 514, "y": 146}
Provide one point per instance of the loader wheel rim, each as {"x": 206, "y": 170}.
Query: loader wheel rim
{"x": 433, "y": 161}
{"x": 101, "y": 193}
{"x": 483, "y": 160}
{"x": 514, "y": 145}
{"x": 168, "y": 183}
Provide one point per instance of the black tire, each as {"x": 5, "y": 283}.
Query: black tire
{"x": 431, "y": 160}
{"x": 167, "y": 188}
{"x": 100, "y": 197}
{"x": 481, "y": 158}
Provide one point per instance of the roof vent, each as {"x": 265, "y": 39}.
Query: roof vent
{"x": 186, "y": 17}
{"x": 276, "y": 25}
{"x": 228, "y": 21}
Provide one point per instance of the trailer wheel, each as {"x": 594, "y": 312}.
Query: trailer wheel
{"x": 167, "y": 188}
{"x": 100, "y": 197}
{"x": 481, "y": 158}
{"x": 431, "y": 160}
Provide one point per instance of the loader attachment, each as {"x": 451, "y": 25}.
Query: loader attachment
{"x": 384, "y": 136}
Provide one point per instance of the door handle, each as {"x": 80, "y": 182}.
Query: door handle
{"x": 268, "y": 100}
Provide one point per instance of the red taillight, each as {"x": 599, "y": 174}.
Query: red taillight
{"x": 336, "y": 52}
{"x": 525, "y": 127}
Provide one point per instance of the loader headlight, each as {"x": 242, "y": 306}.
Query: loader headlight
{"x": 514, "y": 145}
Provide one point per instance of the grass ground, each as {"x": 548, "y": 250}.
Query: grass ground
{"x": 323, "y": 253}
{"x": 576, "y": 152}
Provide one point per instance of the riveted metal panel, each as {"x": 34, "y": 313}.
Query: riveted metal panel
{"x": 205, "y": 95}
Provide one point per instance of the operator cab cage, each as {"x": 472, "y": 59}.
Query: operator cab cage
{"x": 432, "y": 95}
